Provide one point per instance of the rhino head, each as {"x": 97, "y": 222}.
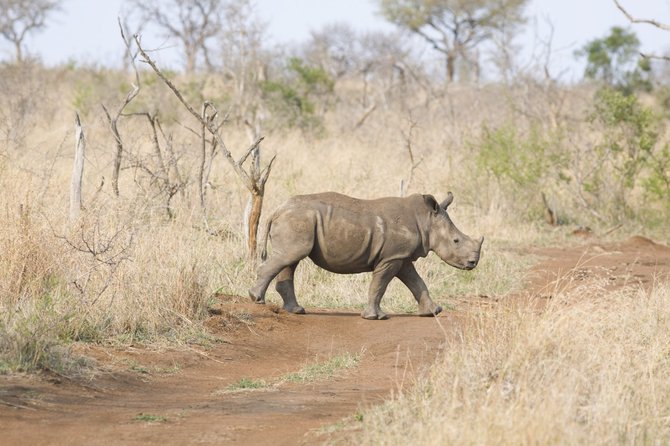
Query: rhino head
{"x": 447, "y": 241}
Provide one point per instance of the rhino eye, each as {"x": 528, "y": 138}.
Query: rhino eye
{"x": 456, "y": 240}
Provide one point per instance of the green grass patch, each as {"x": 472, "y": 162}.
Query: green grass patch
{"x": 247, "y": 384}
{"x": 150, "y": 418}
{"x": 323, "y": 370}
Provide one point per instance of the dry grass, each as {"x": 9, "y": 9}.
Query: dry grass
{"x": 591, "y": 372}
{"x": 126, "y": 273}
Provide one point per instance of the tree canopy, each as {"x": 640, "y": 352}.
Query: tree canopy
{"x": 454, "y": 27}
{"x": 615, "y": 60}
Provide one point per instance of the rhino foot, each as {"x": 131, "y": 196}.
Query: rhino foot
{"x": 297, "y": 309}
{"x": 434, "y": 312}
{"x": 374, "y": 315}
{"x": 256, "y": 299}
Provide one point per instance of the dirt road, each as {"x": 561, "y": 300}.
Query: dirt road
{"x": 193, "y": 396}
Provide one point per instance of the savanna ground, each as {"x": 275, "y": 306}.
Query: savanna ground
{"x": 277, "y": 378}
{"x": 130, "y": 325}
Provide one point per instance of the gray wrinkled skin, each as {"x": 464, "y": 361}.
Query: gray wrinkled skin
{"x": 346, "y": 235}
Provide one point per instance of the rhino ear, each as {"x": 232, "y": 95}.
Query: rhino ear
{"x": 431, "y": 202}
{"x": 447, "y": 201}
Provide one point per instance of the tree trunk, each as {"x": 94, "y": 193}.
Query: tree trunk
{"x": 19, "y": 51}
{"x": 77, "y": 172}
{"x": 451, "y": 66}
{"x": 191, "y": 53}
{"x": 117, "y": 157}
{"x": 252, "y": 222}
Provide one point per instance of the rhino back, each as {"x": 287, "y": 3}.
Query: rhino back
{"x": 353, "y": 235}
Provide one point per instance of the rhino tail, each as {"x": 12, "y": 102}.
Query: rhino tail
{"x": 266, "y": 236}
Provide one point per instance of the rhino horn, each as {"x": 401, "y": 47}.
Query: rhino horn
{"x": 481, "y": 242}
{"x": 447, "y": 201}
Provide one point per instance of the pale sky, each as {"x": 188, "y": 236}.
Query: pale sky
{"x": 87, "y": 31}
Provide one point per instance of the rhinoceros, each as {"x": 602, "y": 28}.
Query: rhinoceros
{"x": 346, "y": 235}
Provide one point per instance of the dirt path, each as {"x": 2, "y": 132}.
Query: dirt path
{"x": 174, "y": 398}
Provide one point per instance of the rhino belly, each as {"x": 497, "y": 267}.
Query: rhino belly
{"x": 344, "y": 247}
{"x": 341, "y": 266}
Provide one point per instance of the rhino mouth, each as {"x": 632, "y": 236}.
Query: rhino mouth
{"x": 469, "y": 265}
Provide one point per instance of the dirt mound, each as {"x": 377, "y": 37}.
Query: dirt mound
{"x": 637, "y": 261}
{"x": 273, "y": 378}
{"x": 642, "y": 244}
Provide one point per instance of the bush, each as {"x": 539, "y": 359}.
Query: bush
{"x": 523, "y": 163}
{"x": 624, "y": 165}
{"x": 301, "y": 97}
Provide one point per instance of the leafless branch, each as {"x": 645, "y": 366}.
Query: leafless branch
{"x": 654, "y": 56}
{"x": 254, "y": 179}
{"x": 77, "y": 171}
{"x": 113, "y": 120}
{"x": 211, "y": 127}
{"x": 408, "y": 137}
{"x": 632, "y": 19}
{"x": 251, "y": 148}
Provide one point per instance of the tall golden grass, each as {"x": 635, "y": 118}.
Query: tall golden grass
{"x": 127, "y": 273}
{"x": 590, "y": 372}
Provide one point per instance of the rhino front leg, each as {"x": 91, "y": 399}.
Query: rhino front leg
{"x": 417, "y": 286}
{"x": 285, "y": 288}
{"x": 381, "y": 277}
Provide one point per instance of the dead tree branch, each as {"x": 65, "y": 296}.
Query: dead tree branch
{"x": 204, "y": 117}
{"x": 632, "y": 19}
{"x": 408, "y": 137}
{"x": 167, "y": 184}
{"x": 652, "y": 22}
{"x": 113, "y": 120}
{"x": 77, "y": 171}
{"x": 254, "y": 179}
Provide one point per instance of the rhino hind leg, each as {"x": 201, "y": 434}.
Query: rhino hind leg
{"x": 266, "y": 272}
{"x": 285, "y": 288}
{"x": 289, "y": 248}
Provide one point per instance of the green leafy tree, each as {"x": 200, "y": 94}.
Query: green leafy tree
{"x": 615, "y": 61}
{"x": 454, "y": 27}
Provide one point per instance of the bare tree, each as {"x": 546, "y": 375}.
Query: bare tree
{"x": 454, "y": 27}
{"x": 18, "y": 18}
{"x": 253, "y": 179}
{"x": 193, "y": 22}
{"x": 113, "y": 119}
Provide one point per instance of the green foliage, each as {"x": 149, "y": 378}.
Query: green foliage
{"x": 323, "y": 370}
{"x": 314, "y": 79}
{"x": 247, "y": 384}
{"x": 614, "y": 61}
{"x": 510, "y": 156}
{"x": 150, "y": 418}
{"x": 301, "y": 97}
{"x": 625, "y": 154}
{"x": 524, "y": 162}
{"x": 37, "y": 335}
{"x": 657, "y": 184}
{"x": 82, "y": 100}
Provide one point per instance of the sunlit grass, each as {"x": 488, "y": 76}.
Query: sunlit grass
{"x": 591, "y": 372}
